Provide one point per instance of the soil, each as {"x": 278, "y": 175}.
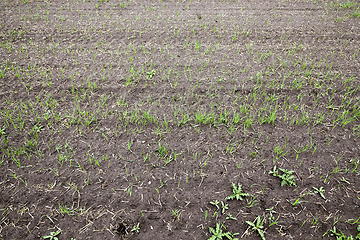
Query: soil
{"x": 92, "y": 173}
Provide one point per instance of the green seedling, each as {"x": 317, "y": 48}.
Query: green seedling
{"x": 320, "y": 191}
{"x": 355, "y": 163}
{"x": 53, "y": 235}
{"x": 251, "y": 202}
{"x": 345, "y": 180}
{"x": 297, "y": 201}
{"x": 303, "y": 148}
{"x": 279, "y": 150}
{"x": 218, "y": 234}
{"x": 229, "y": 217}
{"x": 216, "y": 204}
{"x": 340, "y": 235}
{"x": 353, "y": 221}
{"x": 176, "y": 213}
{"x": 2, "y": 131}
{"x": 224, "y": 207}
{"x": 253, "y": 154}
{"x": 230, "y": 147}
{"x": 151, "y": 74}
{"x": 136, "y": 228}
{"x": 258, "y": 227}
{"x": 237, "y": 193}
{"x": 272, "y": 220}
{"x": 286, "y": 177}
{"x": 162, "y": 151}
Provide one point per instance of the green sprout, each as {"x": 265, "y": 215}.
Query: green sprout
{"x": 257, "y": 227}
{"x": 136, "y": 228}
{"x": 237, "y": 193}
{"x": 218, "y": 234}
{"x": 52, "y": 235}
{"x": 286, "y": 177}
{"x": 340, "y": 235}
{"x": 176, "y": 213}
{"x": 320, "y": 191}
{"x": 215, "y": 203}
{"x": 151, "y": 74}
{"x": 162, "y": 151}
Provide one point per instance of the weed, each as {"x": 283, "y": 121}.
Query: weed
{"x": 272, "y": 220}
{"x": 162, "y": 151}
{"x": 320, "y": 191}
{"x": 229, "y": 217}
{"x": 151, "y": 74}
{"x": 176, "y": 213}
{"x": 280, "y": 152}
{"x": 218, "y": 234}
{"x": 286, "y": 177}
{"x": 136, "y": 228}
{"x": 258, "y": 226}
{"x": 238, "y": 194}
{"x": 216, "y": 204}
{"x": 340, "y": 235}
{"x": 53, "y": 235}
{"x": 224, "y": 207}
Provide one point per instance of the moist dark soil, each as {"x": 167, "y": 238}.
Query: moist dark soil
{"x": 101, "y": 128}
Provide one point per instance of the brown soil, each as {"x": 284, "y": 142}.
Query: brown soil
{"x": 80, "y": 155}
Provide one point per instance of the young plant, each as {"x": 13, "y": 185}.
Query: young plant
{"x": 216, "y": 204}
{"x": 151, "y": 74}
{"x": 258, "y": 226}
{"x": 272, "y": 219}
{"x": 297, "y": 201}
{"x": 303, "y": 148}
{"x": 231, "y": 217}
{"x": 52, "y": 235}
{"x": 286, "y": 177}
{"x": 218, "y": 233}
{"x": 280, "y": 152}
{"x": 230, "y": 147}
{"x": 176, "y": 213}
{"x": 340, "y": 235}
{"x": 237, "y": 193}
{"x": 136, "y": 228}
{"x": 320, "y": 191}
{"x": 162, "y": 151}
{"x": 224, "y": 207}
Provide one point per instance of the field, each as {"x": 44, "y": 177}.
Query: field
{"x": 184, "y": 119}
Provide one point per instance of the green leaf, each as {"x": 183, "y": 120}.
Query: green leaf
{"x": 237, "y": 193}
{"x": 251, "y": 223}
{"x": 262, "y": 235}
